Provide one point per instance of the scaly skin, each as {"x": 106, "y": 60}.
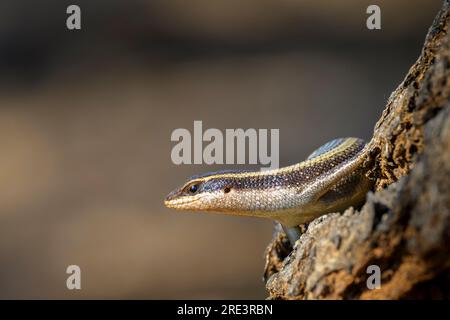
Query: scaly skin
{"x": 330, "y": 180}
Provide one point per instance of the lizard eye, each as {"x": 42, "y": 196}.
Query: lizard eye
{"x": 193, "y": 188}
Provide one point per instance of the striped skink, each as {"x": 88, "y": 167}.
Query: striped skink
{"x": 331, "y": 179}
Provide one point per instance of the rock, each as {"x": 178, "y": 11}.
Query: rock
{"x": 404, "y": 225}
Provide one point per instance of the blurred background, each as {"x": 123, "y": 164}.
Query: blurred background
{"x": 86, "y": 118}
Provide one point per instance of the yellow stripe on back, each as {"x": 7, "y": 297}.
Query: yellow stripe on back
{"x": 347, "y": 143}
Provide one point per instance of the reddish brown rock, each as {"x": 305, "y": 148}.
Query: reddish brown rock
{"x": 404, "y": 227}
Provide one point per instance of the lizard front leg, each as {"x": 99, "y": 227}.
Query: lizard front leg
{"x": 292, "y": 233}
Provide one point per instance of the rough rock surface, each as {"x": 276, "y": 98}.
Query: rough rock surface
{"x": 404, "y": 226}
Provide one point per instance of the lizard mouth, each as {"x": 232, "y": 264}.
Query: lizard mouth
{"x": 176, "y": 201}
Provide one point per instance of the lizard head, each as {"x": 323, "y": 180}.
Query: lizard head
{"x": 216, "y": 191}
{"x": 242, "y": 193}
{"x": 202, "y": 193}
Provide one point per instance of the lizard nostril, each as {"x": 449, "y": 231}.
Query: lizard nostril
{"x": 169, "y": 197}
{"x": 227, "y": 189}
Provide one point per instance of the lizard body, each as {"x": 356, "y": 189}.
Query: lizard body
{"x": 331, "y": 179}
